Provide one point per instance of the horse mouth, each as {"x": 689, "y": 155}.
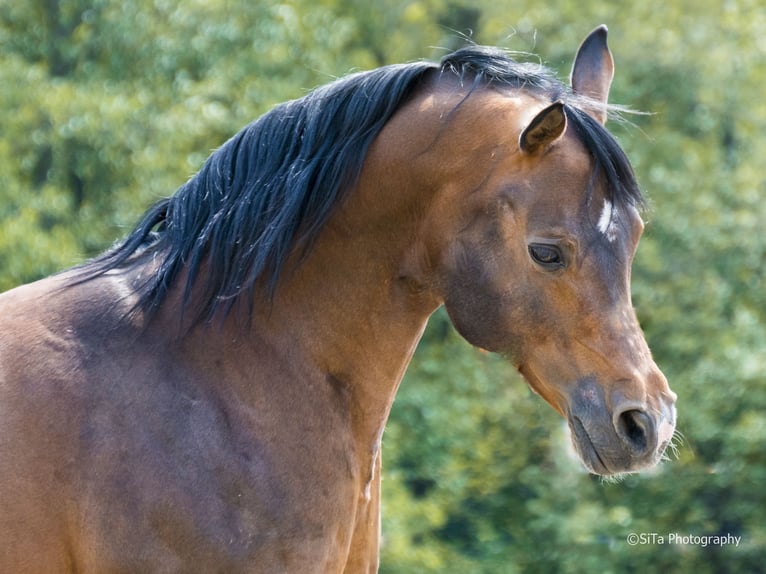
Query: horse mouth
{"x": 586, "y": 449}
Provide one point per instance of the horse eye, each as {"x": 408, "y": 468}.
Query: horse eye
{"x": 548, "y": 256}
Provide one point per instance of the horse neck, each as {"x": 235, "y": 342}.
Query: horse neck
{"x": 357, "y": 305}
{"x": 342, "y": 315}
{"x": 353, "y": 309}
{"x": 350, "y": 308}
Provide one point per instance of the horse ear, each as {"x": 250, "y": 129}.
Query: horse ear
{"x": 593, "y": 71}
{"x": 544, "y": 129}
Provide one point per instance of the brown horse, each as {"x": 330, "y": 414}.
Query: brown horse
{"x": 209, "y": 396}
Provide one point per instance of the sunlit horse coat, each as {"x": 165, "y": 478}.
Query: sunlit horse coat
{"x": 210, "y": 395}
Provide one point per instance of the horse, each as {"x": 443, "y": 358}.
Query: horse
{"x": 209, "y": 395}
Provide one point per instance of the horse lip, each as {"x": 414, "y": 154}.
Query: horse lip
{"x": 586, "y": 449}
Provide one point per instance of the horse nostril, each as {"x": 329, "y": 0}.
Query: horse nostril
{"x": 636, "y": 430}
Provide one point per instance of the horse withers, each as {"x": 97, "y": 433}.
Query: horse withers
{"x": 210, "y": 395}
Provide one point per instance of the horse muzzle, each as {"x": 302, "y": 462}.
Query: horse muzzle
{"x": 619, "y": 435}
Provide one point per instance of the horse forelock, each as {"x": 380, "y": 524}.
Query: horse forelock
{"x": 495, "y": 68}
{"x": 609, "y": 159}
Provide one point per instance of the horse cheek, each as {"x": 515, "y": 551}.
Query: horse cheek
{"x": 478, "y": 306}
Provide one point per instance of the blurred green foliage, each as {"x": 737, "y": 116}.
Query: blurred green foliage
{"x": 105, "y": 106}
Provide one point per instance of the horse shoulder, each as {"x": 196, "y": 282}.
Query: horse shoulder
{"x": 145, "y": 451}
{"x": 38, "y": 365}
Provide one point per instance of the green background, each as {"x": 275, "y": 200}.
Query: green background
{"x": 105, "y": 106}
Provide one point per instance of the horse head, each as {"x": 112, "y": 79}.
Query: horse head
{"x": 529, "y": 243}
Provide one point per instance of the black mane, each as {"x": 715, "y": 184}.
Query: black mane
{"x": 269, "y": 189}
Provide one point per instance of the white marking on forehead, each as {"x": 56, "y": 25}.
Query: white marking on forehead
{"x": 606, "y": 223}
{"x": 606, "y": 217}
